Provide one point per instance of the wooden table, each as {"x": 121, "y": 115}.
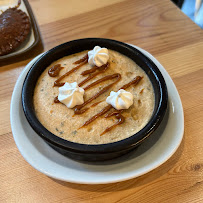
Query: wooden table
{"x": 163, "y": 30}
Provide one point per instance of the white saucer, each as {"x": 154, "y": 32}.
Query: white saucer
{"x": 151, "y": 154}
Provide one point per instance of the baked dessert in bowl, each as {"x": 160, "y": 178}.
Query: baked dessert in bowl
{"x": 92, "y": 103}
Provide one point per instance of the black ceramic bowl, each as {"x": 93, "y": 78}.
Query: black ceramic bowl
{"x": 85, "y": 152}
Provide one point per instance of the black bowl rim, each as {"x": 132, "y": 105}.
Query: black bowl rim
{"x": 129, "y": 142}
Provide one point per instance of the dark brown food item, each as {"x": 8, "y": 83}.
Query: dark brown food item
{"x": 14, "y": 29}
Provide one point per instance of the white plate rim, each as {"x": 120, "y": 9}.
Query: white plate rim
{"x": 52, "y": 172}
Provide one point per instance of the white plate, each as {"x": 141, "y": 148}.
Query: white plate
{"x": 151, "y": 154}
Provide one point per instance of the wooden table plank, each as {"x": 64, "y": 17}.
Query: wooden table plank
{"x": 56, "y": 10}
{"x": 154, "y": 30}
{"x": 160, "y": 28}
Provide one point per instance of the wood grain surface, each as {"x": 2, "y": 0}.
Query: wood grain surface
{"x": 163, "y": 30}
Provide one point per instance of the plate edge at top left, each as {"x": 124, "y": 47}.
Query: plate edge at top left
{"x": 37, "y": 39}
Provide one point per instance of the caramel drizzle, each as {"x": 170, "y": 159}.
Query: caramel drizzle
{"x": 135, "y": 81}
{"x": 78, "y": 108}
{"x": 85, "y": 58}
{"x": 117, "y": 114}
{"x": 141, "y": 91}
{"x": 93, "y": 118}
{"x": 100, "y": 70}
{"x": 56, "y": 100}
{"x": 121, "y": 119}
{"x": 108, "y": 77}
{"x": 54, "y": 71}
{"x": 58, "y": 83}
{"x": 113, "y": 113}
{"x": 95, "y": 104}
{"x": 91, "y": 70}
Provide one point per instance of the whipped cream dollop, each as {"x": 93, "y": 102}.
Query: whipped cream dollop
{"x": 71, "y": 94}
{"x": 120, "y": 100}
{"x": 98, "y": 56}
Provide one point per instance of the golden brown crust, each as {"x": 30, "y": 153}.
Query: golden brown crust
{"x": 14, "y": 29}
